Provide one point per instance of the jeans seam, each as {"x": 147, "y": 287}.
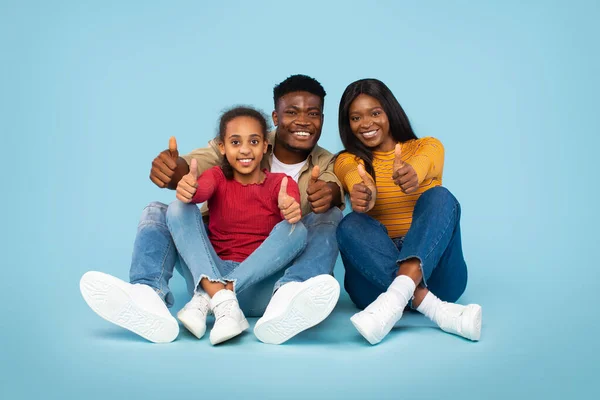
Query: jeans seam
{"x": 200, "y": 225}
{"x": 162, "y": 267}
{"x": 439, "y": 238}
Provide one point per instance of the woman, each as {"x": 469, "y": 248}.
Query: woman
{"x": 401, "y": 244}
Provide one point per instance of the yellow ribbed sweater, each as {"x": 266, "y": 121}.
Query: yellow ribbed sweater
{"x": 393, "y": 208}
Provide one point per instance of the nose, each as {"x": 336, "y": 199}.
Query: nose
{"x": 301, "y": 120}
{"x": 366, "y": 123}
{"x": 245, "y": 149}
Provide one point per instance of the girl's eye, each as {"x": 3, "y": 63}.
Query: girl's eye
{"x": 376, "y": 113}
{"x": 354, "y": 119}
{"x": 254, "y": 141}
{"x": 235, "y": 142}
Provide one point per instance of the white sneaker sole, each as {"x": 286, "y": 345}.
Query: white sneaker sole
{"x": 106, "y": 297}
{"x": 306, "y": 309}
{"x": 191, "y": 324}
{"x": 472, "y": 328}
{"x": 230, "y": 335}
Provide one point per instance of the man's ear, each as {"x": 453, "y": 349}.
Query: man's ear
{"x": 275, "y": 118}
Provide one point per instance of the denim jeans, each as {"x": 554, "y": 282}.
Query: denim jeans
{"x": 371, "y": 258}
{"x": 187, "y": 229}
{"x": 155, "y": 257}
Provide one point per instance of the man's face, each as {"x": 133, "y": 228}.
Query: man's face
{"x": 299, "y": 119}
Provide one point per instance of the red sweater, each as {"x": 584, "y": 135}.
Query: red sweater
{"x": 241, "y": 216}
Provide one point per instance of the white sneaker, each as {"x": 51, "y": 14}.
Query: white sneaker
{"x": 460, "y": 320}
{"x": 229, "y": 319}
{"x": 193, "y": 314}
{"x": 136, "y": 307}
{"x": 378, "y": 319}
{"x": 297, "y": 306}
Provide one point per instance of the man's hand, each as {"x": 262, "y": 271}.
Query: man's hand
{"x": 167, "y": 167}
{"x": 363, "y": 195}
{"x": 320, "y": 193}
{"x": 187, "y": 186}
{"x": 287, "y": 204}
{"x": 404, "y": 175}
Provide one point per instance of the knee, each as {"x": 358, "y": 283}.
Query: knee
{"x": 351, "y": 228}
{"x": 296, "y": 232}
{"x": 333, "y": 216}
{"x": 154, "y": 212}
{"x": 439, "y": 197}
{"x": 179, "y": 209}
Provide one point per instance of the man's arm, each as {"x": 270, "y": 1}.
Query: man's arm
{"x": 168, "y": 168}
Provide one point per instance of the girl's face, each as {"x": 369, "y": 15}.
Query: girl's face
{"x": 244, "y": 146}
{"x": 370, "y": 124}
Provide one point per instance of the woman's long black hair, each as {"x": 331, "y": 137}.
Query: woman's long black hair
{"x": 400, "y": 128}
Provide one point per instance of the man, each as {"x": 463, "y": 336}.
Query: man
{"x": 306, "y": 293}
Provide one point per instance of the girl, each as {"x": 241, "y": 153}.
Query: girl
{"x": 413, "y": 253}
{"x": 247, "y": 240}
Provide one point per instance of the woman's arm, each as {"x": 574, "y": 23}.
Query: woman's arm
{"x": 428, "y": 160}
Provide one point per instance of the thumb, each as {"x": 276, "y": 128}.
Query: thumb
{"x": 194, "y": 168}
{"x": 314, "y": 174}
{"x": 397, "y": 154}
{"x": 283, "y": 187}
{"x": 173, "y": 147}
{"x": 362, "y": 173}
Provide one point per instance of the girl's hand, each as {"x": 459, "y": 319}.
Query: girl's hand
{"x": 290, "y": 209}
{"x": 363, "y": 195}
{"x": 187, "y": 186}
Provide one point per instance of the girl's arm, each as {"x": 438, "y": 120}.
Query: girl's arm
{"x": 207, "y": 184}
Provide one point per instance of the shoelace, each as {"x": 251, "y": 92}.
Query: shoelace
{"x": 448, "y": 318}
{"x": 223, "y": 309}
{"x": 384, "y": 311}
{"x": 198, "y": 302}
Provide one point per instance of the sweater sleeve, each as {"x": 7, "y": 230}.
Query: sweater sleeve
{"x": 428, "y": 160}
{"x": 346, "y": 169}
{"x": 207, "y": 184}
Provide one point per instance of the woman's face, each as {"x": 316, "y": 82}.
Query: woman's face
{"x": 370, "y": 124}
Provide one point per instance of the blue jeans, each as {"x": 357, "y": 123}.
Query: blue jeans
{"x": 187, "y": 229}
{"x": 371, "y": 258}
{"x": 155, "y": 257}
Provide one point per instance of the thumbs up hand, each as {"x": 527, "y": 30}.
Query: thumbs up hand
{"x": 363, "y": 195}
{"x": 187, "y": 186}
{"x": 164, "y": 166}
{"x": 404, "y": 174}
{"x": 290, "y": 209}
{"x": 320, "y": 194}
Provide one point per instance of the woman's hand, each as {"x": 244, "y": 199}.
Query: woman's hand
{"x": 290, "y": 209}
{"x": 404, "y": 174}
{"x": 363, "y": 195}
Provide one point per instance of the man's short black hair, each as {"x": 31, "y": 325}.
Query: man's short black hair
{"x": 299, "y": 83}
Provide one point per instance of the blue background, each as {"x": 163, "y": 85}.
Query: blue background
{"x": 91, "y": 91}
